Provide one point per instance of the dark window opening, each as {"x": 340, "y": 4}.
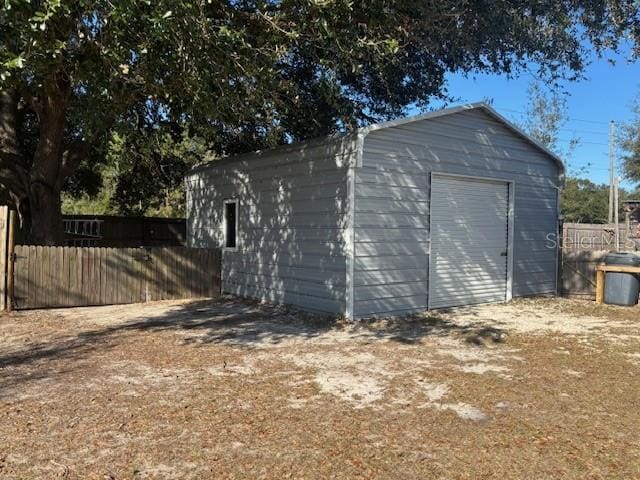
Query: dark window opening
{"x": 230, "y": 224}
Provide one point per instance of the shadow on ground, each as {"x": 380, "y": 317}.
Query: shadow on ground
{"x": 230, "y": 321}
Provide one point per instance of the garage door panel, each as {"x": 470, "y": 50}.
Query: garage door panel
{"x": 469, "y": 280}
{"x": 471, "y": 259}
{"x": 468, "y": 262}
{"x": 455, "y": 289}
{"x": 454, "y": 269}
{"x": 480, "y": 211}
{"x": 468, "y": 299}
{"x": 481, "y": 186}
{"x": 475, "y": 229}
{"x": 486, "y": 251}
{"x": 480, "y": 240}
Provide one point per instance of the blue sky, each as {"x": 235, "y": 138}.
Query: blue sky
{"x": 606, "y": 94}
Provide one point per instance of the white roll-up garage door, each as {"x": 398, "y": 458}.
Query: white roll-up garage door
{"x": 469, "y": 241}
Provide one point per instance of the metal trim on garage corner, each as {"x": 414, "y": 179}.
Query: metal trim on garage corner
{"x": 350, "y": 243}
{"x": 510, "y": 226}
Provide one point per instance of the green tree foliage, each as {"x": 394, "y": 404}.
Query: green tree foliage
{"x": 142, "y": 174}
{"x": 243, "y": 74}
{"x": 584, "y": 202}
{"x": 546, "y": 114}
{"x": 149, "y": 171}
{"x": 581, "y": 200}
{"x": 630, "y": 143}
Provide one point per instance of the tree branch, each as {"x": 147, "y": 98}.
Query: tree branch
{"x": 33, "y": 102}
{"x": 71, "y": 159}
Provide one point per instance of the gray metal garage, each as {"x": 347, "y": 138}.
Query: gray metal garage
{"x": 453, "y": 207}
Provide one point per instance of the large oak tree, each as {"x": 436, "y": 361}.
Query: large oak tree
{"x": 252, "y": 73}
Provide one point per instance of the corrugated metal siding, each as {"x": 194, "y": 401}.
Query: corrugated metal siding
{"x": 469, "y": 236}
{"x": 391, "y": 240}
{"x": 392, "y": 205}
{"x": 292, "y": 213}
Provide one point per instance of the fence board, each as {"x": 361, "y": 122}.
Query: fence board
{"x": 134, "y": 283}
{"x": 177, "y": 259}
{"x": 58, "y": 290}
{"x": 134, "y": 280}
{"x": 45, "y": 275}
{"x": 151, "y": 275}
{"x": 85, "y": 280}
{"x": 125, "y": 262}
{"x": 120, "y": 274}
{"x": 21, "y": 286}
{"x": 35, "y": 256}
{"x": 53, "y": 276}
{"x": 75, "y": 276}
{"x": 199, "y": 260}
{"x": 59, "y": 293}
{"x": 207, "y": 259}
{"x": 136, "y": 291}
{"x": 82, "y": 276}
{"x": 123, "y": 274}
{"x": 189, "y": 261}
{"x": 162, "y": 275}
{"x": 96, "y": 276}
{"x": 172, "y": 283}
{"x": 211, "y": 260}
{"x": 101, "y": 273}
{"x": 112, "y": 278}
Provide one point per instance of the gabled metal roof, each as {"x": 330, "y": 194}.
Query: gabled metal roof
{"x": 363, "y": 132}
{"x": 359, "y": 135}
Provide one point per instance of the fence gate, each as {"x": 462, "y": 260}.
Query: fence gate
{"x": 82, "y": 276}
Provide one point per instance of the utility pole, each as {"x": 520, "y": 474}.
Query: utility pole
{"x": 616, "y": 207}
{"x": 612, "y": 161}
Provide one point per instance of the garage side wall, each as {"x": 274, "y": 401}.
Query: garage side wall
{"x": 292, "y": 208}
{"x": 392, "y": 205}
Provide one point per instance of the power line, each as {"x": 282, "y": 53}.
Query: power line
{"x": 596, "y": 122}
{"x": 580, "y": 142}
{"x": 588, "y": 132}
{"x": 587, "y": 167}
{"x": 574, "y": 130}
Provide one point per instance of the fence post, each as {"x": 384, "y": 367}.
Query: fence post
{"x": 4, "y": 225}
{"x": 11, "y": 256}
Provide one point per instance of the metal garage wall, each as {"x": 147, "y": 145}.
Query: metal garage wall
{"x": 292, "y": 222}
{"x": 392, "y": 205}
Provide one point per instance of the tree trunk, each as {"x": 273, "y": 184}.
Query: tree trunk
{"x": 46, "y": 216}
{"x": 44, "y": 181}
{"x": 14, "y": 178}
{"x": 8, "y": 122}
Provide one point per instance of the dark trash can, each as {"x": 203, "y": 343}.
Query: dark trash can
{"x": 622, "y": 288}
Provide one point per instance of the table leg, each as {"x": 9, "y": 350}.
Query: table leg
{"x": 599, "y": 287}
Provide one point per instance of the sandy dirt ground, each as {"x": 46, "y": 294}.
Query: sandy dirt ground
{"x": 533, "y": 389}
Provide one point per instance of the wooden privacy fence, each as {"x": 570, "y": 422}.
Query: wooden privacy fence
{"x": 82, "y": 276}
{"x": 121, "y": 232}
{"x": 578, "y": 272}
{"x": 597, "y": 237}
{"x": 584, "y": 246}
